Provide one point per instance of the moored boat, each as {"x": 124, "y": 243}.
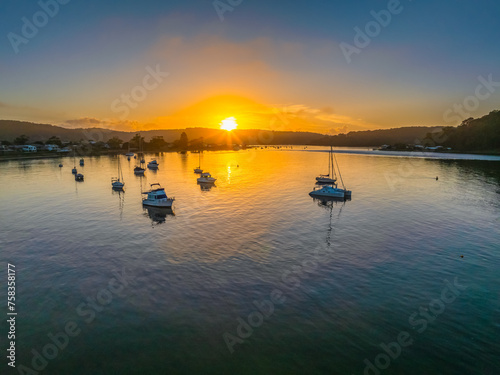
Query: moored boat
{"x": 156, "y": 197}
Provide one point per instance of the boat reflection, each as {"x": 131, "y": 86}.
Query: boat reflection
{"x": 121, "y": 199}
{"x": 158, "y": 215}
{"x": 329, "y": 202}
{"x": 206, "y": 186}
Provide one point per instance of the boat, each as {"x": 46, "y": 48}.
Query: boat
{"x": 206, "y": 178}
{"x": 74, "y": 163}
{"x": 82, "y": 162}
{"x": 156, "y": 197}
{"x": 328, "y": 191}
{"x": 117, "y": 182}
{"x": 329, "y": 178}
{"x": 78, "y": 177}
{"x": 153, "y": 164}
{"x": 138, "y": 170}
{"x": 199, "y": 170}
{"x": 60, "y": 165}
{"x": 331, "y": 190}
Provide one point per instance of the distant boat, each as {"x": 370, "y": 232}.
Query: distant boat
{"x": 139, "y": 170}
{"x": 117, "y": 182}
{"x": 74, "y": 163}
{"x": 198, "y": 170}
{"x": 206, "y": 178}
{"x": 79, "y": 177}
{"x": 156, "y": 197}
{"x": 82, "y": 162}
{"x": 329, "y": 178}
{"x": 60, "y": 165}
{"x": 153, "y": 164}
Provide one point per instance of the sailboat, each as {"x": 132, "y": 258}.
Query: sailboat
{"x": 74, "y": 163}
{"x": 198, "y": 170}
{"x": 117, "y": 182}
{"x": 329, "y": 178}
{"x": 139, "y": 169}
{"x": 331, "y": 190}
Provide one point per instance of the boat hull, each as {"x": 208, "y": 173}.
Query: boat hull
{"x": 324, "y": 180}
{"x": 158, "y": 203}
{"x": 328, "y": 192}
{"x": 203, "y": 180}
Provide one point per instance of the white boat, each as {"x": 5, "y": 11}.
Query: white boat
{"x": 78, "y": 177}
{"x": 199, "y": 170}
{"x": 331, "y": 190}
{"x": 329, "y": 178}
{"x": 82, "y": 162}
{"x": 206, "y": 178}
{"x": 153, "y": 164}
{"x": 117, "y": 182}
{"x": 328, "y": 191}
{"x": 156, "y": 197}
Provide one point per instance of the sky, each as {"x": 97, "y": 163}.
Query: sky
{"x": 324, "y": 66}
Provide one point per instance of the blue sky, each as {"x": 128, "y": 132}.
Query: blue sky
{"x": 284, "y": 55}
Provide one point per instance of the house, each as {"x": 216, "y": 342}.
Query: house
{"x": 29, "y": 148}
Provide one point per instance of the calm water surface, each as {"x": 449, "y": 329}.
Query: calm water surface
{"x": 349, "y": 276}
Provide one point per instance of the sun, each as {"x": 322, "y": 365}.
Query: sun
{"x": 228, "y": 124}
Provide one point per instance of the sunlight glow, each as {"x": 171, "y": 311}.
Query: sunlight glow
{"x": 228, "y": 124}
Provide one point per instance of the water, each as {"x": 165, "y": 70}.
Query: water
{"x": 345, "y": 277}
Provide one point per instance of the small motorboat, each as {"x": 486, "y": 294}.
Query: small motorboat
{"x": 139, "y": 171}
{"x": 60, "y": 165}
{"x": 82, "y": 162}
{"x": 153, "y": 164}
{"x": 206, "y": 178}
{"x": 129, "y": 154}
{"x": 156, "y": 197}
{"x": 328, "y": 191}
{"x": 73, "y": 170}
{"x": 78, "y": 177}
